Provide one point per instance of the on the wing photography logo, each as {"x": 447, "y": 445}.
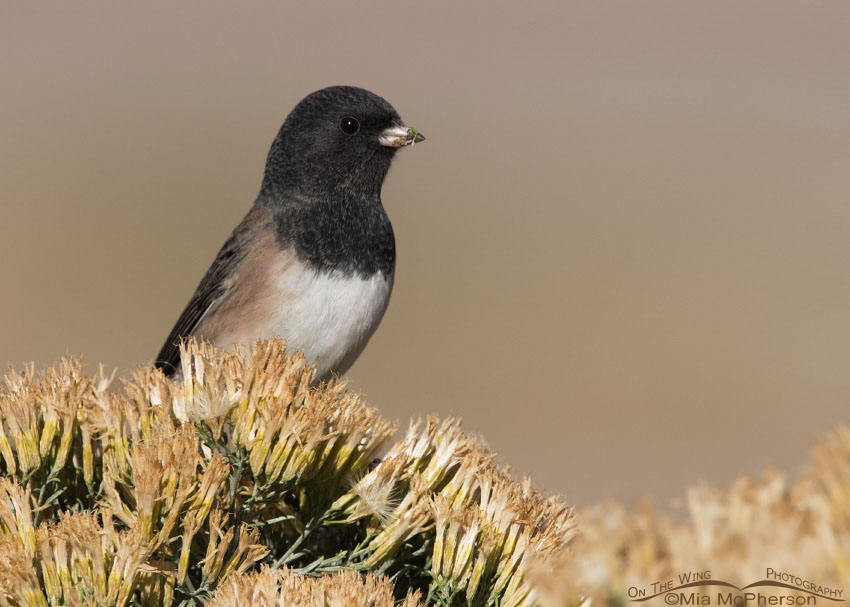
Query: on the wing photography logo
{"x": 778, "y": 588}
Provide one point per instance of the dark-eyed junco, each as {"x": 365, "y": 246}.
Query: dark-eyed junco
{"x": 313, "y": 259}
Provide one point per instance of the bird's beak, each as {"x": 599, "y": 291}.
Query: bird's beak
{"x": 398, "y": 136}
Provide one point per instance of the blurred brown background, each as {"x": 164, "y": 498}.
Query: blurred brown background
{"x": 624, "y": 250}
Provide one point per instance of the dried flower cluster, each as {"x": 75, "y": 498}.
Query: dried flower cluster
{"x": 736, "y": 533}
{"x": 235, "y": 483}
{"x": 244, "y": 483}
{"x": 283, "y": 588}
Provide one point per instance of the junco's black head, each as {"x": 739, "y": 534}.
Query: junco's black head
{"x": 337, "y": 142}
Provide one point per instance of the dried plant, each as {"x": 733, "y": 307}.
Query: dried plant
{"x": 736, "y": 532}
{"x": 244, "y": 482}
{"x": 281, "y": 588}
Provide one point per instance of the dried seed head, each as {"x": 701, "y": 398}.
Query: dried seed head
{"x": 375, "y": 494}
{"x": 16, "y": 514}
{"x": 283, "y": 588}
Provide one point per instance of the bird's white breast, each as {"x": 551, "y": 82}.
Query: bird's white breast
{"x": 329, "y": 316}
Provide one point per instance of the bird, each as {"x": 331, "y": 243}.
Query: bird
{"x": 313, "y": 260}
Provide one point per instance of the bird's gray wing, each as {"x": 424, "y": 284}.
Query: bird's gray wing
{"x": 213, "y": 286}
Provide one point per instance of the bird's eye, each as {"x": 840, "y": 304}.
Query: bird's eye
{"x": 349, "y": 125}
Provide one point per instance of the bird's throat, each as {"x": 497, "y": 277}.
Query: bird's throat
{"x": 353, "y": 236}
